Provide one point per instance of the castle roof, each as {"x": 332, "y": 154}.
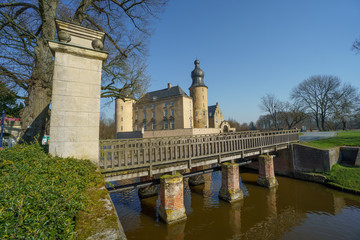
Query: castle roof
{"x": 212, "y": 109}
{"x": 197, "y": 76}
{"x": 165, "y": 93}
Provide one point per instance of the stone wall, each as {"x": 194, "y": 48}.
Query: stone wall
{"x": 349, "y": 155}
{"x": 308, "y": 159}
{"x": 180, "y": 132}
{"x": 300, "y": 158}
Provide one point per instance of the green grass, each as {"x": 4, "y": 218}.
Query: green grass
{"x": 346, "y": 138}
{"x": 348, "y": 177}
{"x": 41, "y": 195}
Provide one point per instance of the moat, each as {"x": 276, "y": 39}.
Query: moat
{"x": 294, "y": 210}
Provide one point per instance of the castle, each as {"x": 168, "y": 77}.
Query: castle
{"x": 170, "y": 112}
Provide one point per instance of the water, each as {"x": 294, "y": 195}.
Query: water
{"x": 294, "y": 210}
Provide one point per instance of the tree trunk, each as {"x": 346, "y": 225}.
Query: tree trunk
{"x": 317, "y": 122}
{"x": 344, "y": 124}
{"x": 35, "y": 115}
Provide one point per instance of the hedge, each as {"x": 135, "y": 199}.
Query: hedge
{"x": 40, "y": 195}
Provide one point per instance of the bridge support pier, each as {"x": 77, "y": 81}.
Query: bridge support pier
{"x": 148, "y": 191}
{"x": 172, "y": 207}
{"x": 266, "y": 171}
{"x": 198, "y": 179}
{"x": 230, "y": 190}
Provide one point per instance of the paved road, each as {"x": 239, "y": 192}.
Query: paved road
{"x": 310, "y": 136}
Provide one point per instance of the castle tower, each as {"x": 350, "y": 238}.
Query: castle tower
{"x": 198, "y": 92}
{"x": 124, "y": 115}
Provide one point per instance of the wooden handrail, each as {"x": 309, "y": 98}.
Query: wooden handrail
{"x": 122, "y": 154}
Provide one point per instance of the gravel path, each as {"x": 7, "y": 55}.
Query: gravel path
{"x": 311, "y": 136}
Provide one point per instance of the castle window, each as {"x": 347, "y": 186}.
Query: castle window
{"x": 203, "y": 96}
{"x": 172, "y": 103}
{"x": 196, "y": 113}
{"x": 121, "y": 127}
{"x": 136, "y": 127}
{"x": 122, "y": 119}
{"x": 172, "y": 112}
{"x": 144, "y": 115}
{"x": 153, "y": 126}
{"x": 153, "y": 106}
{"x": 136, "y": 116}
{"x": 165, "y": 113}
{"x": 144, "y": 126}
{"x": 122, "y": 108}
{"x": 203, "y": 90}
{"x": 172, "y": 124}
{"x": 144, "y": 108}
{"x": 136, "y": 109}
{"x": 153, "y": 114}
{"x": 165, "y": 124}
{"x": 165, "y": 104}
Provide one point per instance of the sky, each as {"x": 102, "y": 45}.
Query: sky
{"x": 249, "y": 48}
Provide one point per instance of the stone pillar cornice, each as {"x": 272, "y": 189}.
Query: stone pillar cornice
{"x": 76, "y": 50}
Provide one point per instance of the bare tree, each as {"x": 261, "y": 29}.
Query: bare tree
{"x": 345, "y": 105}
{"x": 271, "y": 105}
{"x": 264, "y": 122}
{"x": 26, "y": 62}
{"x": 318, "y": 94}
{"x": 292, "y": 114}
{"x": 106, "y": 128}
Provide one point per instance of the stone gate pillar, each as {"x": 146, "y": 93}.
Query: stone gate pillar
{"x": 172, "y": 207}
{"x": 230, "y": 190}
{"x": 75, "y": 105}
{"x": 266, "y": 171}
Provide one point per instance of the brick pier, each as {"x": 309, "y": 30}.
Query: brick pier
{"x": 230, "y": 190}
{"x": 172, "y": 198}
{"x": 266, "y": 171}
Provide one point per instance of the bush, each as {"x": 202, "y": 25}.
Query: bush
{"x": 40, "y": 195}
{"x": 348, "y": 177}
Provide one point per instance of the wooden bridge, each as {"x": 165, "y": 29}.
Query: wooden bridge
{"x": 129, "y": 158}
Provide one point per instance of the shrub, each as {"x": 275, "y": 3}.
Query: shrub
{"x": 40, "y": 195}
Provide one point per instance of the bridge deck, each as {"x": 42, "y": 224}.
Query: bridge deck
{"x": 128, "y": 158}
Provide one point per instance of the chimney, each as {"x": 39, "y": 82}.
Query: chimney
{"x": 169, "y": 85}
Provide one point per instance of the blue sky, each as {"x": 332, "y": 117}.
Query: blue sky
{"x": 248, "y": 48}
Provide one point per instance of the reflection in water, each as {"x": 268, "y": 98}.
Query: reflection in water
{"x": 293, "y": 210}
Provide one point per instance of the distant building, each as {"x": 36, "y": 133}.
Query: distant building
{"x": 215, "y": 116}
{"x": 170, "y": 109}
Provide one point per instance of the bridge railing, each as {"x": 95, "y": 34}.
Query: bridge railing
{"x": 121, "y": 154}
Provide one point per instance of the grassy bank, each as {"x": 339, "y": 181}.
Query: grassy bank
{"x": 346, "y": 138}
{"x": 348, "y": 177}
{"x": 41, "y": 195}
